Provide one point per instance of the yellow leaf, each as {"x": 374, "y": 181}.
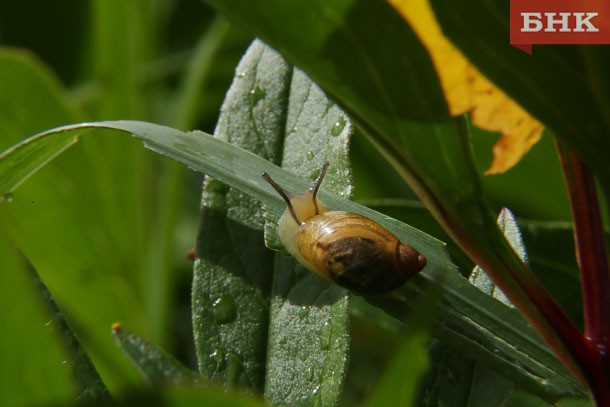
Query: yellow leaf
{"x": 467, "y": 90}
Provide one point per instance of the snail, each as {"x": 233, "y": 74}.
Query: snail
{"x": 352, "y": 251}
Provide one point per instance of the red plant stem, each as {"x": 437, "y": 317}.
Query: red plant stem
{"x": 590, "y": 247}
{"x": 594, "y": 272}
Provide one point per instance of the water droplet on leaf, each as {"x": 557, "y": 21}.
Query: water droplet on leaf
{"x": 218, "y": 358}
{"x": 223, "y": 310}
{"x": 338, "y": 126}
{"x": 325, "y": 335}
{"x": 257, "y": 94}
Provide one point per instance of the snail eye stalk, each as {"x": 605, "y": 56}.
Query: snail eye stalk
{"x": 316, "y": 187}
{"x": 283, "y": 194}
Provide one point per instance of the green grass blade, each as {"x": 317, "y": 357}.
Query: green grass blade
{"x": 116, "y": 54}
{"x": 89, "y": 385}
{"x": 400, "y": 383}
{"x": 156, "y": 366}
{"x": 21, "y": 77}
{"x": 189, "y": 95}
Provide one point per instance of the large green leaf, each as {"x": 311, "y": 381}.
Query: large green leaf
{"x": 468, "y": 319}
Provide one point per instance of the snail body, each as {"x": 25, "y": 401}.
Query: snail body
{"x": 346, "y": 248}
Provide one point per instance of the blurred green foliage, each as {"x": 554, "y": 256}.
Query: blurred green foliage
{"x": 107, "y": 225}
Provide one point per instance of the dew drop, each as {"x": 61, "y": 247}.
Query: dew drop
{"x": 314, "y": 399}
{"x": 48, "y": 323}
{"x": 309, "y": 374}
{"x": 310, "y": 155}
{"x": 241, "y": 74}
{"x": 325, "y": 335}
{"x": 338, "y": 126}
{"x": 257, "y": 94}
{"x": 7, "y": 197}
{"x": 218, "y": 358}
{"x": 223, "y": 310}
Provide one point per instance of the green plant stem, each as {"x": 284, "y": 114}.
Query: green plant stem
{"x": 593, "y": 264}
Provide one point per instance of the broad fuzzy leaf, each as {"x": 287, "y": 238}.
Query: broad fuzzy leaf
{"x": 232, "y": 279}
{"x": 309, "y": 333}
